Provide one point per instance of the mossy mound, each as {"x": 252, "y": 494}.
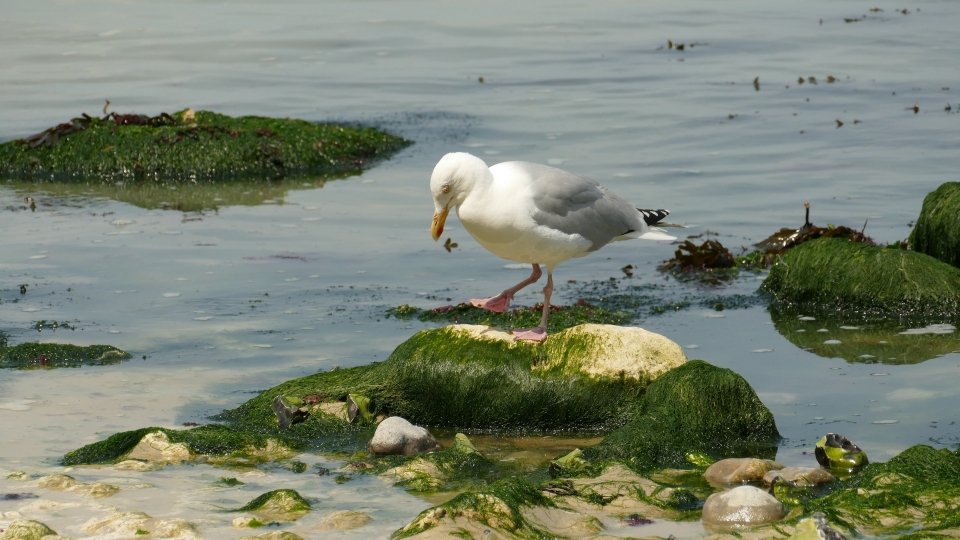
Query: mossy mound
{"x": 853, "y": 279}
{"x": 56, "y": 355}
{"x": 26, "y": 529}
{"x": 279, "y": 504}
{"x": 867, "y": 342}
{"x": 917, "y": 489}
{"x": 446, "y": 377}
{"x": 937, "y": 231}
{"x": 194, "y": 147}
{"x": 695, "y": 408}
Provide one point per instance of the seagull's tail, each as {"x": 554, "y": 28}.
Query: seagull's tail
{"x": 652, "y": 217}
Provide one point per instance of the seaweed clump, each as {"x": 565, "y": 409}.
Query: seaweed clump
{"x": 918, "y": 488}
{"x": 834, "y": 275}
{"x": 192, "y": 146}
{"x": 56, "y": 355}
{"x": 937, "y": 232}
{"x": 671, "y": 423}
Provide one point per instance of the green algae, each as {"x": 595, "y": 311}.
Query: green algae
{"x": 210, "y": 146}
{"x": 561, "y": 317}
{"x": 670, "y": 422}
{"x": 499, "y": 507}
{"x": 459, "y": 467}
{"x": 917, "y": 489}
{"x": 865, "y": 341}
{"x": 56, "y": 355}
{"x": 278, "y": 501}
{"x": 27, "y": 529}
{"x": 937, "y": 231}
{"x": 854, "y": 279}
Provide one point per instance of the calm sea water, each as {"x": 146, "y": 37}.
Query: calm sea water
{"x": 593, "y": 89}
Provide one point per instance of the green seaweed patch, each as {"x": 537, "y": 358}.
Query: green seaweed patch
{"x": 652, "y": 299}
{"x": 561, "y": 317}
{"x": 446, "y": 378}
{"x": 192, "y": 146}
{"x": 216, "y": 440}
{"x": 860, "y": 280}
{"x": 229, "y": 482}
{"x": 459, "y": 467}
{"x": 917, "y": 489}
{"x": 937, "y": 231}
{"x": 56, "y": 355}
{"x": 279, "y": 504}
{"x": 498, "y": 507}
{"x": 866, "y": 342}
{"x": 671, "y": 423}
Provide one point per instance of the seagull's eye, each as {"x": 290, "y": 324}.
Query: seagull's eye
{"x": 446, "y": 188}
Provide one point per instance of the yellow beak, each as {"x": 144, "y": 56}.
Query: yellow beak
{"x": 436, "y": 228}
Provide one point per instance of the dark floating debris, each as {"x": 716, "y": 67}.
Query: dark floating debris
{"x": 839, "y": 123}
{"x": 18, "y": 496}
{"x": 756, "y": 84}
{"x": 449, "y": 245}
{"x": 691, "y": 261}
{"x": 636, "y": 519}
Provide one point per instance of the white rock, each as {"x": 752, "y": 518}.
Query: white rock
{"x": 122, "y": 523}
{"x": 397, "y": 436}
{"x": 156, "y": 448}
{"x": 744, "y": 505}
{"x": 739, "y": 470}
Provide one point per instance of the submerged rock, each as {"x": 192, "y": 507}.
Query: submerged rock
{"x": 833, "y": 275}
{"x": 278, "y": 505}
{"x": 744, "y": 505}
{"x": 834, "y": 451}
{"x": 57, "y": 482}
{"x": 26, "y": 529}
{"x": 937, "y": 232}
{"x": 120, "y": 524}
{"x": 57, "y": 355}
{"x": 343, "y": 520}
{"x": 739, "y": 470}
{"x": 434, "y": 471}
{"x": 174, "y": 528}
{"x": 156, "y": 448}
{"x": 801, "y": 476}
{"x": 397, "y": 436}
{"x": 273, "y": 535}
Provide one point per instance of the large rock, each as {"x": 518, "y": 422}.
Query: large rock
{"x": 840, "y": 276}
{"x": 26, "y": 529}
{"x": 397, "y": 436}
{"x": 801, "y": 476}
{"x": 744, "y": 505}
{"x": 739, "y": 470}
{"x": 937, "y": 232}
{"x": 343, "y": 520}
{"x": 156, "y": 448}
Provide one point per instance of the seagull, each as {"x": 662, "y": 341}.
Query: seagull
{"x": 531, "y": 213}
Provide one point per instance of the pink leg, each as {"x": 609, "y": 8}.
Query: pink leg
{"x": 539, "y": 333}
{"x": 501, "y": 302}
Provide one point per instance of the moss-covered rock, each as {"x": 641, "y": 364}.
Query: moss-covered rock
{"x": 26, "y": 529}
{"x": 866, "y": 341}
{"x": 937, "y": 231}
{"x": 833, "y": 275}
{"x": 919, "y": 489}
{"x": 194, "y": 147}
{"x": 278, "y": 505}
{"x": 695, "y": 408}
{"x": 273, "y": 535}
{"x": 56, "y": 355}
{"x": 456, "y": 467}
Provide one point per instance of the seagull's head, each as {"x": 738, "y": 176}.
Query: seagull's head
{"x": 451, "y": 182}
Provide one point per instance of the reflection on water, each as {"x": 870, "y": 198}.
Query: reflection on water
{"x": 169, "y": 195}
{"x": 876, "y": 342}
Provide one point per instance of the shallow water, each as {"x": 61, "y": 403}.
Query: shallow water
{"x": 224, "y": 303}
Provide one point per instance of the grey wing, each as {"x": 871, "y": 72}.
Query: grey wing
{"x": 575, "y": 205}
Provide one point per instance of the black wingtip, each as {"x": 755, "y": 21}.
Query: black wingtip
{"x": 652, "y": 217}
